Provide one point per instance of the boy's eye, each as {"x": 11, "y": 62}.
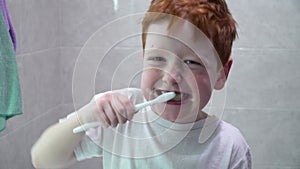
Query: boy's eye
{"x": 158, "y": 59}
{"x": 193, "y": 64}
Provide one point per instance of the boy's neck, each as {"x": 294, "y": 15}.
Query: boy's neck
{"x": 201, "y": 116}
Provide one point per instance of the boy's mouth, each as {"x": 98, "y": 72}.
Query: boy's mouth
{"x": 179, "y": 98}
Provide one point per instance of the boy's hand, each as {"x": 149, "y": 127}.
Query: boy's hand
{"x": 114, "y": 109}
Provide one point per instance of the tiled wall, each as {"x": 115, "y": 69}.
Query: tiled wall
{"x": 79, "y": 22}
{"x": 36, "y": 23}
{"x": 262, "y": 90}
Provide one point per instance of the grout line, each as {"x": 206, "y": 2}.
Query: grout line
{"x": 30, "y": 121}
{"x": 267, "y": 48}
{"x": 276, "y": 166}
{"x": 35, "y": 52}
{"x": 261, "y": 108}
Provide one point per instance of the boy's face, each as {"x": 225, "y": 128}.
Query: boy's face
{"x": 181, "y": 60}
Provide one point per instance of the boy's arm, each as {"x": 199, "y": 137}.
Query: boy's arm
{"x": 55, "y": 148}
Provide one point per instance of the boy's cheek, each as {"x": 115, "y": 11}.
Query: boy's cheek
{"x": 150, "y": 74}
{"x": 203, "y": 86}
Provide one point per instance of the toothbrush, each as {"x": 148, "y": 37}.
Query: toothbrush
{"x": 160, "y": 99}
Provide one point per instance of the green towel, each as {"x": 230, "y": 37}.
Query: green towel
{"x": 10, "y": 92}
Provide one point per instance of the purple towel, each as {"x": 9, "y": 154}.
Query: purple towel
{"x": 8, "y": 22}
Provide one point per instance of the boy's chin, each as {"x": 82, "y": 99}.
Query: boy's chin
{"x": 175, "y": 114}
{"x": 179, "y": 119}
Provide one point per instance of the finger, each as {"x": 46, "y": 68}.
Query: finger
{"x": 102, "y": 118}
{"x": 128, "y": 106}
{"x": 111, "y": 114}
{"x": 120, "y": 109}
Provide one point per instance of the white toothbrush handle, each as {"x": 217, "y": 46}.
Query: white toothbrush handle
{"x": 140, "y": 106}
{"x": 86, "y": 126}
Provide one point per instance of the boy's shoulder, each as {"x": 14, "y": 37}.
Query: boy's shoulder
{"x": 232, "y": 136}
{"x": 227, "y": 127}
{"x": 240, "y": 156}
{"x": 231, "y": 132}
{"x": 227, "y": 143}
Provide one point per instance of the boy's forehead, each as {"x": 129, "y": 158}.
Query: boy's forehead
{"x": 175, "y": 28}
{"x": 187, "y": 34}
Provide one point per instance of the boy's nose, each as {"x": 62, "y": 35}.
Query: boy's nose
{"x": 172, "y": 76}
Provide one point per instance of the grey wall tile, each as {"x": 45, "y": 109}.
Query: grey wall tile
{"x": 93, "y": 70}
{"x": 80, "y": 19}
{"x": 119, "y": 68}
{"x": 264, "y": 79}
{"x": 40, "y": 83}
{"x": 39, "y": 25}
{"x": 17, "y": 144}
{"x": 274, "y": 167}
{"x": 273, "y": 135}
{"x": 68, "y": 59}
{"x": 15, "y": 13}
{"x": 111, "y": 36}
{"x": 79, "y": 72}
{"x": 267, "y": 25}
{"x": 40, "y": 79}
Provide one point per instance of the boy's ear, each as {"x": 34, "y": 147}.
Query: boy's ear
{"x": 223, "y": 75}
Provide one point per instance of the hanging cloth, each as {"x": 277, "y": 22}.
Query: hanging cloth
{"x": 10, "y": 92}
{"x": 8, "y": 23}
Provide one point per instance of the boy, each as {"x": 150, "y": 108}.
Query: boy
{"x": 177, "y": 58}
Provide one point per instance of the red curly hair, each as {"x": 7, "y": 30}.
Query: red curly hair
{"x": 212, "y": 17}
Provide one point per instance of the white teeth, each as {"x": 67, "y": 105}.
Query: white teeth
{"x": 178, "y": 97}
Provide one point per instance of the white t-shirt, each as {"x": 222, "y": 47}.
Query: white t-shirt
{"x": 151, "y": 142}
